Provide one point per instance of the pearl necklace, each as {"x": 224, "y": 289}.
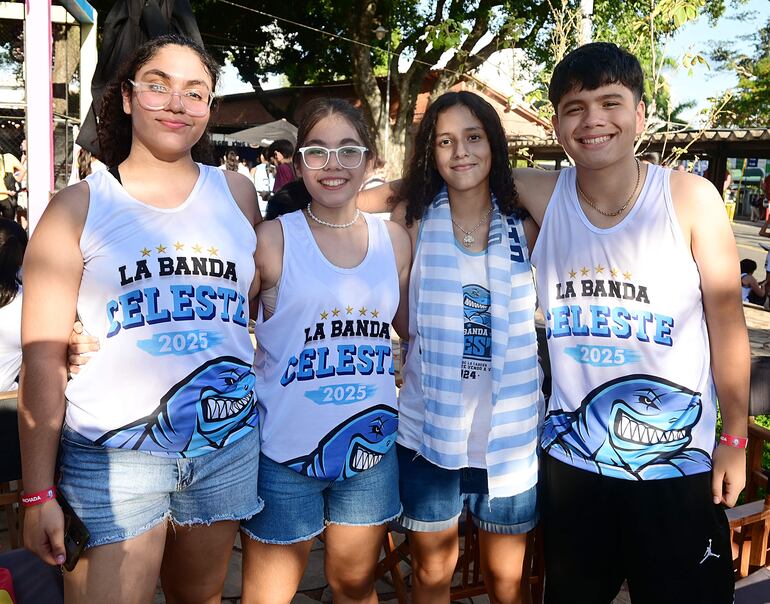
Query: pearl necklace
{"x": 620, "y": 210}
{"x": 331, "y": 224}
{"x": 469, "y": 239}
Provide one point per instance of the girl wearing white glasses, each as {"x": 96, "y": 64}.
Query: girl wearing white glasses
{"x": 156, "y": 256}
{"x": 332, "y": 281}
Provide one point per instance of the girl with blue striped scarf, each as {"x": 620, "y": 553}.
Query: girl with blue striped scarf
{"x": 470, "y": 402}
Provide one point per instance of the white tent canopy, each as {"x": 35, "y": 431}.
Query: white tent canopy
{"x": 265, "y": 134}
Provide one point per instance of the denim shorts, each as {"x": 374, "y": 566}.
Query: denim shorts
{"x": 434, "y": 497}
{"x": 121, "y": 493}
{"x": 298, "y": 508}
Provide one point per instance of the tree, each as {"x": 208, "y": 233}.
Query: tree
{"x": 748, "y": 105}
{"x": 342, "y": 45}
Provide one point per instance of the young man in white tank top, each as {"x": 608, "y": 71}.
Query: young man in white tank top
{"x": 637, "y": 275}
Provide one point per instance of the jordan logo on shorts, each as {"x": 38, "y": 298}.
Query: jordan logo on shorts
{"x": 709, "y": 553}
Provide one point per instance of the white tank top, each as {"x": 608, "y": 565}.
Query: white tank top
{"x": 476, "y": 364}
{"x": 745, "y": 290}
{"x": 632, "y": 395}
{"x": 324, "y": 361}
{"x": 166, "y": 293}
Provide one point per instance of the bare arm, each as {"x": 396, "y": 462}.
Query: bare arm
{"x": 375, "y": 200}
{"x": 701, "y": 214}
{"x": 402, "y": 249}
{"x": 53, "y": 267}
{"x": 534, "y": 188}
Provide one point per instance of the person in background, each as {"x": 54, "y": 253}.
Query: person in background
{"x": 280, "y": 154}
{"x": 263, "y": 179}
{"x": 8, "y": 185}
{"x": 752, "y": 290}
{"x": 244, "y": 168}
{"x": 13, "y": 243}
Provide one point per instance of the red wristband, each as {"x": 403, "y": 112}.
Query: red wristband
{"x": 739, "y": 442}
{"x": 38, "y": 498}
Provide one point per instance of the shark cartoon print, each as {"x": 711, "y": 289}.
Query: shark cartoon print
{"x": 637, "y": 427}
{"x": 352, "y": 447}
{"x": 199, "y": 414}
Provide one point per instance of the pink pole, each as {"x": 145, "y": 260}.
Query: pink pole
{"x": 39, "y": 95}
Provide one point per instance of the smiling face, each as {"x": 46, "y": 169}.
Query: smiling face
{"x": 333, "y": 186}
{"x": 171, "y": 132}
{"x": 461, "y": 149}
{"x": 598, "y": 127}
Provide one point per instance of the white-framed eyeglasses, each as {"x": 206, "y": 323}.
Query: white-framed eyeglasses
{"x": 317, "y": 157}
{"x": 154, "y": 96}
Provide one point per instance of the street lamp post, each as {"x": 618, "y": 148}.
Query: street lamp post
{"x": 380, "y": 33}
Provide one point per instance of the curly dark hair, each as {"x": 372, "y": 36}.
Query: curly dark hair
{"x": 422, "y": 180}
{"x": 114, "y": 126}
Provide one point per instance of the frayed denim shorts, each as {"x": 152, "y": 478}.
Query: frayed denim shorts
{"x": 120, "y": 494}
{"x": 434, "y": 497}
{"x": 298, "y": 508}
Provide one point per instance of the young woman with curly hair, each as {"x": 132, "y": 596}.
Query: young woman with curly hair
{"x": 468, "y": 409}
{"x": 158, "y": 436}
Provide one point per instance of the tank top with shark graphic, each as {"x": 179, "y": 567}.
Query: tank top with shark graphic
{"x": 324, "y": 362}
{"x": 166, "y": 293}
{"x": 633, "y": 395}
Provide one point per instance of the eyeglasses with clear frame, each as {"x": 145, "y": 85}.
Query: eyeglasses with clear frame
{"x": 317, "y": 157}
{"x": 154, "y": 96}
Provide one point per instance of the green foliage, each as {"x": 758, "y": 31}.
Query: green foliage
{"x": 749, "y": 103}
{"x": 764, "y": 420}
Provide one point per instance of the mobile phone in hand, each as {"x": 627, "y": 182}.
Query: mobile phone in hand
{"x": 76, "y": 534}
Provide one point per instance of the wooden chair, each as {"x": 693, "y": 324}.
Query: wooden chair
{"x": 10, "y": 467}
{"x": 750, "y": 522}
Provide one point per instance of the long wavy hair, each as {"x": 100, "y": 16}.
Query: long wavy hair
{"x": 114, "y": 125}
{"x": 422, "y": 180}
{"x": 13, "y": 243}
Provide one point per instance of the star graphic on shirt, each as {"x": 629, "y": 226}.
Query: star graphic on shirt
{"x": 161, "y": 249}
{"x": 572, "y": 274}
{"x": 197, "y": 248}
{"x": 627, "y": 276}
{"x": 213, "y": 251}
{"x": 362, "y": 311}
{"x": 145, "y": 252}
{"x": 614, "y": 272}
{"x": 324, "y": 315}
{"x": 349, "y": 309}
{"x": 599, "y": 269}
{"x": 584, "y": 271}
{"x": 178, "y": 246}
{"x": 335, "y": 312}
{"x": 375, "y": 313}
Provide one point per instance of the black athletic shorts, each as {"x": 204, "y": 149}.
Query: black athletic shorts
{"x": 666, "y": 537}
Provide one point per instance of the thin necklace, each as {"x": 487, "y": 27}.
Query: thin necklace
{"x": 469, "y": 239}
{"x": 331, "y": 224}
{"x": 622, "y": 208}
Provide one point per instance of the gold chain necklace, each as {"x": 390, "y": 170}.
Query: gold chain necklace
{"x": 622, "y": 208}
{"x": 469, "y": 239}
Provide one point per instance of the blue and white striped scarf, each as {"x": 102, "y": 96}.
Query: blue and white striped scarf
{"x": 516, "y": 399}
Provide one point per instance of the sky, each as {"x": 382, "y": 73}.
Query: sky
{"x": 694, "y": 37}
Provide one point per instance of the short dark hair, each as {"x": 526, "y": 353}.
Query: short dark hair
{"x": 593, "y": 65}
{"x": 285, "y": 147}
{"x": 422, "y": 180}
{"x": 748, "y": 266}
